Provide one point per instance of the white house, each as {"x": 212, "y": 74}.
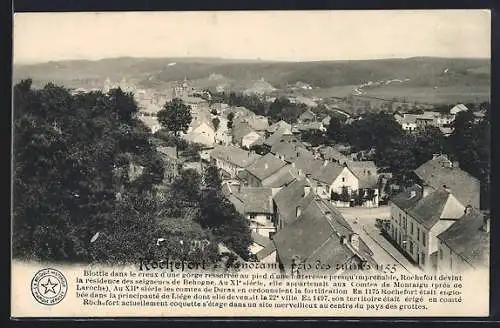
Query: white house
{"x": 408, "y": 122}
{"x": 418, "y": 216}
{"x": 334, "y": 179}
{"x": 201, "y": 132}
{"x": 458, "y": 108}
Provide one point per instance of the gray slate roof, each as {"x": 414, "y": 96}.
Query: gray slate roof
{"x": 468, "y": 239}
{"x": 265, "y": 166}
{"x": 234, "y": 155}
{"x": 464, "y": 187}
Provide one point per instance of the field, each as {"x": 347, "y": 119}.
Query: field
{"x": 440, "y": 95}
{"x": 427, "y": 80}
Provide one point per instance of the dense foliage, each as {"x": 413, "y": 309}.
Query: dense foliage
{"x": 279, "y": 109}
{"x": 86, "y": 184}
{"x": 175, "y": 116}
{"x": 400, "y": 153}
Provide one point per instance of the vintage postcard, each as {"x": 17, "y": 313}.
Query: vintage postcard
{"x": 267, "y": 163}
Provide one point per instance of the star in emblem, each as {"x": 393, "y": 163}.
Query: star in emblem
{"x": 49, "y": 286}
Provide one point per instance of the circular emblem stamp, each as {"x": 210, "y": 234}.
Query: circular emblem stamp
{"x": 49, "y": 286}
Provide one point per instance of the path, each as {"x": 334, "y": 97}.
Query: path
{"x": 363, "y": 220}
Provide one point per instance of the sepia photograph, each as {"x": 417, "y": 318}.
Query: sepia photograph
{"x": 335, "y": 161}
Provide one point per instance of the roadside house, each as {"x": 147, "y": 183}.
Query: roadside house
{"x": 418, "y": 216}
{"x": 335, "y": 182}
{"x": 231, "y": 160}
{"x": 263, "y": 168}
{"x": 256, "y": 204}
{"x": 440, "y": 171}
{"x": 244, "y": 135}
{"x": 319, "y": 234}
{"x": 465, "y": 245}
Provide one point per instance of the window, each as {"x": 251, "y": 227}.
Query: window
{"x": 423, "y": 258}
{"x": 418, "y": 233}
{"x": 343, "y": 179}
{"x": 440, "y": 254}
{"x": 423, "y": 237}
{"x": 404, "y": 222}
{"x": 411, "y": 227}
{"x": 411, "y": 247}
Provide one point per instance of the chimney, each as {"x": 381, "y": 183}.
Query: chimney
{"x": 486, "y": 223}
{"x": 355, "y": 241}
{"x": 298, "y": 212}
{"x": 468, "y": 209}
{"x": 325, "y": 163}
{"x": 413, "y": 194}
{"x": 445, "y": 187}
{"x": 434, "y": 156}
{"x": 307, "y": 189}
{"x": 266, "y": 166}
{"x": 343, "y": 240}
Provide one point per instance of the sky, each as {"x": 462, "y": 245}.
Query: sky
{"x": 271, "y": 35}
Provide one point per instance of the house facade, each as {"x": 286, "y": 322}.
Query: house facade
{"x": 201, "y": 132}
{"x": 335, "y": 182}
{"x": 256, "y": 204}
{"x": 465, "y": 245}
{"x": 231, "y": 160}
{"x": 262, "y": 169}
{"x": 319, "y": 233}
{"x": 418, "y": 216}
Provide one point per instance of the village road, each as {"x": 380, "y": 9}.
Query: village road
{"x": 362, "y": 220}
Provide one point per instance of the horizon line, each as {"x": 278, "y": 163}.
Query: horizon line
{"x": 237, "y": 59}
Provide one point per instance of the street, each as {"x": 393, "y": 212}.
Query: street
{"x": 362, "y": 220}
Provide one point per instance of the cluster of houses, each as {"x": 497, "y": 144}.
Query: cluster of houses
{"x": 414, "y": 122}
{"x": 437, "y": 222}
{"x": 293, "y": 191}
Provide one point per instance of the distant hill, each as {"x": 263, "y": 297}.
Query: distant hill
{"x": 242, "y": 74}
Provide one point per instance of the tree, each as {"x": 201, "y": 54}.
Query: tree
{"x": 230, "y": 118}
{"x": 216, "y": 122}
{"x": 220, "y": 216}
{"x": 335, "y": 130}
{"x": 374, "y": 130}
{"x": 124, "y": 103}
{"x": 175, "y": 116}
{"x": 471, "y": 145}
{"x": 187, "y": 186}
{"x": 71, "y": 161}
{"x": 427, "y": 142}
{"x": 213, "y": 180}
{"x": 314, "y": 137}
